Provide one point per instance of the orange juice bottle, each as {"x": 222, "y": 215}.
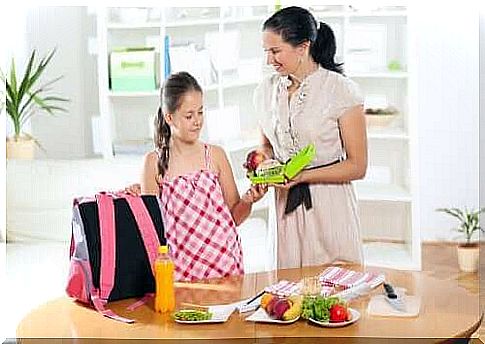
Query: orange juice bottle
{"x": 164, "y": 294}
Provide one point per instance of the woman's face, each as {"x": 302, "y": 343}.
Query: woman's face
{"x": 284, "y": 58}
{"x": 186, "y": 122}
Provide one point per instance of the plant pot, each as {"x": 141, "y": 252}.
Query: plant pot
{"x": 468, "y": 257}
{"x": 20, "y": 148}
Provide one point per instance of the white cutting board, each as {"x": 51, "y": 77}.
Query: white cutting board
{"x": 378, "y": 306}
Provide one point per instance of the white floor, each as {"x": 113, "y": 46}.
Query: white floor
{"x": 35, "y": 273}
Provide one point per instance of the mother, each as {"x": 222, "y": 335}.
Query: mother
{"x": 309, "y": 100}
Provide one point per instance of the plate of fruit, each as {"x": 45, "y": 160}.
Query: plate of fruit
{"x": 278, "y": 310}
{"x": 328, "y": 311}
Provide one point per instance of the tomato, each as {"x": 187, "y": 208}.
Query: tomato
{"x": 338, "y": 313}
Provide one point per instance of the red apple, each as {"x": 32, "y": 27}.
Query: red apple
{"x": 279, "y": 308}
{"x": 270, "y": 305}
{"x": 253, "y": 159}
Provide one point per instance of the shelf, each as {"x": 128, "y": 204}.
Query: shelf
{"x": 241, "y": 83}
{"x": 328, "y": 14}
{"x": 124, "y": 94}
{"x": 381, "y": 192}
{"x": 359, "y": 14}
{"x": 377, "y": 75}
{"x": 363, "y": 14}
{"x": 195, "y": 22}
{"x": 391, "y": 134}
{"x": 244, "y": 19}
{"x": 238, "y": 145}
{"x": 212, "y": 87}
{"x": 138, "y": 147}
{"x": 126, "y": 26}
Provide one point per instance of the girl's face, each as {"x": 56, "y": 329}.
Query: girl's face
{"x": 284, "y": 58}
{"x": 186, "y": 123}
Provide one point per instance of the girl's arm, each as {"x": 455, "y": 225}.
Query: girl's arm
{"x": 240, "y": 207}
{"x": 149, "y": 176}
{"x": 354, "y": 138}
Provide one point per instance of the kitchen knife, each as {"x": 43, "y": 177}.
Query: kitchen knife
{"x": 394, "y": 300}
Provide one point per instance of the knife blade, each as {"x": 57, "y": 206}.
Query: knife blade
{"x": 394, "y": 300}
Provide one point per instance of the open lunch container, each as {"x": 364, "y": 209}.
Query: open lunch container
{"x": 291, "y": 168}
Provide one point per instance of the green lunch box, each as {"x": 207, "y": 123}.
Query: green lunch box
{"x": 279, "y": 174}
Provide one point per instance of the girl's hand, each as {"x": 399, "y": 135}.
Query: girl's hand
{"x": 133, "y": 189}
{"x": 255, "y": 193}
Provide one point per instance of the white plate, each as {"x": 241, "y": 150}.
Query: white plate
{"x": 355, "y": 317}
{"x": 220, "y": 314}
{"x": 261, "y": 316}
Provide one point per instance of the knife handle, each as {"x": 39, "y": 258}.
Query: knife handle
{"x": 390, "y": 291}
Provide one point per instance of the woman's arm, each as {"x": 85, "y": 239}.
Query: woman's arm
{"x": 266, "y": 146}
{"x": 240, "y": 207}
{"x": 354, "y": 138}
{"x": 149, "y": 176}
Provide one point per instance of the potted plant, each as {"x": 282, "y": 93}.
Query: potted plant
{"x": 25, "y": 98}
{"x": 468, "y": 251}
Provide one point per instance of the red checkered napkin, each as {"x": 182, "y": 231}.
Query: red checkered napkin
{"x": 337, "y": 276}
{"x": 284, "y": 288}
{"x": 327, "y": 290}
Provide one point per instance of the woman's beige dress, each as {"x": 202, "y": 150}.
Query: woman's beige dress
{"x": 330, "y": 230}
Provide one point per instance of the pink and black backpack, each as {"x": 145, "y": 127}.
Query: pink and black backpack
{"x": 114, "y": 244}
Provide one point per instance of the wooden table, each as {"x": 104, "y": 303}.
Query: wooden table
{"x": 447, "y": 310}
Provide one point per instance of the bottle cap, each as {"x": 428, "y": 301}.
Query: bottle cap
{"x": 163, "y": 249}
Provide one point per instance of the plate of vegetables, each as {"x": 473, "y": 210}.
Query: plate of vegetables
{"x": 328, "y": 311}
{"x": 212, "y": 314}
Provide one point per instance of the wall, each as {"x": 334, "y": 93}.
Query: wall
{"x": 447, "y": 113}
{"x": 446, "y": 66}
{"x": 67, "y": 135}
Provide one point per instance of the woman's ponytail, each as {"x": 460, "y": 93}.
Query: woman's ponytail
{"x": 323, "y": 49}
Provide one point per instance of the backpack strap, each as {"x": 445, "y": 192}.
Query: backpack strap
{"x": 145, "y": 226}
{"x": 99, "y": 305}
{"x": 106, "y": 215}
{"x": 99, "y": 298}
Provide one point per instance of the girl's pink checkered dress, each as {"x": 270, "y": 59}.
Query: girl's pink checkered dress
{"x": 199, "y": 227}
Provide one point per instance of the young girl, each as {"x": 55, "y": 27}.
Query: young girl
{"x": 200, "y": 202}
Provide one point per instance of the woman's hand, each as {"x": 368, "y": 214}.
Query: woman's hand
{"x": 133, "y": 189}
{"x": 299, "y": 178}
{"x": 255, "y": 193}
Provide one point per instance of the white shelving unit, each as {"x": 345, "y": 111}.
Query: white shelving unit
{"x": 232, "y": 37}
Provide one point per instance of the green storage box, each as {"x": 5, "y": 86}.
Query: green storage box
{"x": 133, "y": 69}
{"x": 279, "y": 174}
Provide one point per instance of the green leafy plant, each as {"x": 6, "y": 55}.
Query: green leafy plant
{"x": 469, "y": 221}
{"x": 28, "y": 98}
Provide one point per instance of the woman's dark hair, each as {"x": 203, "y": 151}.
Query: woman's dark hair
{"x": 297, "y": 25}
{"x": 172, "y": 92}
